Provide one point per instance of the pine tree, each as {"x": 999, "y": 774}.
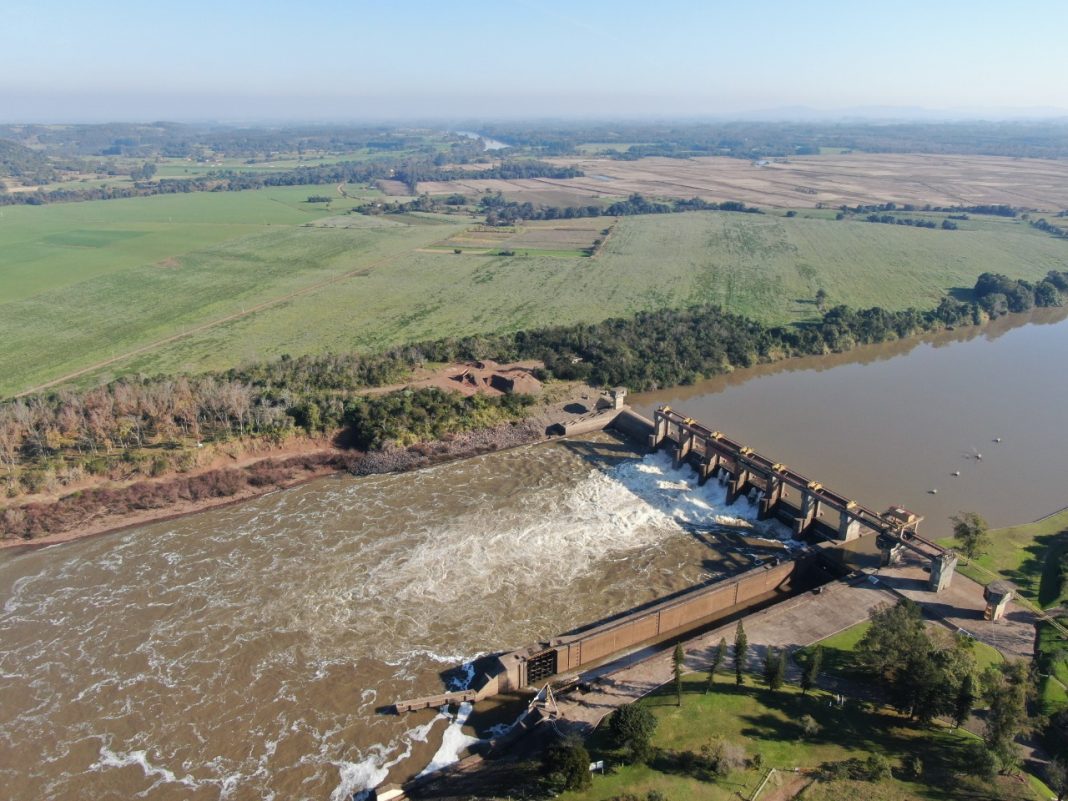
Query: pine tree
{"x": 678, "y": 659}
{"x": 741, "y": 649}
{"x": 812, "y": 669}
{"x": 774, "y": 668}
{"x": 717, "y": 659}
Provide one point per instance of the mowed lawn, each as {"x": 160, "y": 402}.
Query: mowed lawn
{"x": 768, "y": 724}
{"x": 105, "y": 293}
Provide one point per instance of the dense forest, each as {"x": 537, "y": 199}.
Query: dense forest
{"x": 150, "y": 426}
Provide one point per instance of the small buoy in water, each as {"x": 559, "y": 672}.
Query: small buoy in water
{"x": 997, "y": 439}
{"x": 932, "y": 491}
{"x": 956, "y": 472}
{"x": 979, "y": 456}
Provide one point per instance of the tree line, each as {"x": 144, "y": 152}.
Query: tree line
{"x": 998, "y": 294}
{"x": 995, "y": 210}
{"x": 500, "y": 211}
{"x": 148, "y": 426}
{"x": 408, "y": 171}
{"x": 1043, "y": 224}
{"x": 890, "y": 219}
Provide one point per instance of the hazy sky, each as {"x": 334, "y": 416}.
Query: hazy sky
{"x": 328, "y": 59}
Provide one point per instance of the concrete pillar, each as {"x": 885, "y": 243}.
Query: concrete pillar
{"x": 660, "y": 429}
{"x": 997, "y": 596}
{"x": 737, "y": 483}
{"x": 848, "y": 527}
{"x": 684, "y": 448}
{"x": 810, "y": 507}
{"x": 771, "y": 498}
{"x": 708, "y": 466}
{"x": 942, "y": 567}
{"x": 890, "y": 554}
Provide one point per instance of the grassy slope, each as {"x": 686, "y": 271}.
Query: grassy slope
{"x": 771, "y": 267}
{"x": 1027, "y": 556}
{"x": 767, "y": 723}
{"x": 766, "y": 266}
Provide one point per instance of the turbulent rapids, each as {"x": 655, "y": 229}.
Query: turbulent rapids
{"x": 242, "y": 652}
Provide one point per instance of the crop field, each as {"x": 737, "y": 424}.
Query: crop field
{"x": 559, "y": 237}
{"x": 805, "y": 181}
{"x": 309, "y": 279}
{"x": 47, "y": 247}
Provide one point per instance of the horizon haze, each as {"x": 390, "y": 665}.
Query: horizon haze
{"x": 375, "y": 62}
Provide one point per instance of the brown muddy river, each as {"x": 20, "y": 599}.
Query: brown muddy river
{"x": 888, "y": 424}
{"x": 241, "y": 653}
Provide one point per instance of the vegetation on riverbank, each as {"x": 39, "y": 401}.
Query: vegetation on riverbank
{"x": 148, "y": 427}
{"x": 158, "y": 428}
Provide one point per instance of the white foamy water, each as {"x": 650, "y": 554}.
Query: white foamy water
{"x": 243, "y": 652}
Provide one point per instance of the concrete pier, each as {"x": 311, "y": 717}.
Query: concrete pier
{"x": 805, "y": 505}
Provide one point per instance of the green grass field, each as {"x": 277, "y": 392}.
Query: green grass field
{"x": 1027, "y": 555}
{"x": 767, "y": 724}
{"x": 44, "y": 248}
{"x": 838, "y": 650}
{"x": 81, "y": 283}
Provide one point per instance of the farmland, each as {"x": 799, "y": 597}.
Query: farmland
{"x": 213, "y": 279}
{"x": 46, "y": 248}
{"x": 805, "y": 181}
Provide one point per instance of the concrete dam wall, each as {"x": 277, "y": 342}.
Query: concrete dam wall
{"x": 662, "y": 620}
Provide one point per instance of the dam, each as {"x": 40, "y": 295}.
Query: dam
{"x": 827, "y": 522}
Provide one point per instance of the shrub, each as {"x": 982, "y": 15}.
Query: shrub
{"x": 632, "y": 727}
{"x": 874, "y": 768}
{"x": 567, "y": 764}
{"x": 912, "y": 766}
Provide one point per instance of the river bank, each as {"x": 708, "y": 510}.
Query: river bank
{"x": 100, "y": 510}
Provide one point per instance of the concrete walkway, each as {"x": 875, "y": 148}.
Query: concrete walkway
{"x": 801, "y": 621}
{"x": 792, "y": 624}
{"x": 960, "y": 606}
